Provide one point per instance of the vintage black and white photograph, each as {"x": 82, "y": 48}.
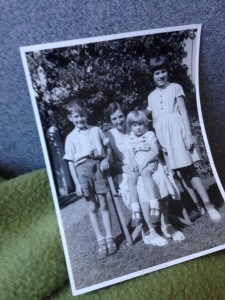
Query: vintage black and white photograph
{"x": 133, "y": 180}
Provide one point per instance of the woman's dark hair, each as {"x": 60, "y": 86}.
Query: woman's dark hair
{"x": 113, "y": 107}
{"x": 159, "y": 62}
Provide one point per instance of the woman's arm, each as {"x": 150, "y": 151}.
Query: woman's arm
{"x": 189, "y": 143}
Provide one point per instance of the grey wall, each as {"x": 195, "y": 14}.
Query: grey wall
{"x": 34, "y": 22}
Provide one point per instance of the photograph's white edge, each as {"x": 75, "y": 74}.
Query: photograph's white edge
{"x": 34, "y": 48}
{"x": 110, "y": 37}
{"x": 149, "y": 270}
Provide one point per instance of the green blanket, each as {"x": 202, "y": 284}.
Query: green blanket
{"x": 32, "y": 264}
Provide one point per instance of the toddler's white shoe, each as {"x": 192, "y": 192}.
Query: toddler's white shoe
{"x": 176, "y": 236}
{"x": 214, "y": 214}
{"x": 154, "y": 239}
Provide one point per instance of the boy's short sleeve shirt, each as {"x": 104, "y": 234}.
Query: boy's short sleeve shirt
{"x": 79, "y": 144}
{"x": 162, "y": 101}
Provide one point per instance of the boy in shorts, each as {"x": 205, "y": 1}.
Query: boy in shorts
{"x": 88, "y": 153}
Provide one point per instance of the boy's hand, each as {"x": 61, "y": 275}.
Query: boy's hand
{"x": 189, "y": 143}
{"x": 104, "y": 165}
{"x": 79, "y": 190}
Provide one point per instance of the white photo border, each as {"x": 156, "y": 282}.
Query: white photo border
{"x": 23, "y": 51}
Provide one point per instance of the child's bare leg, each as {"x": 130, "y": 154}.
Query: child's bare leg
{"x": 94, "y": 218}
{"x": 105, "y": 215}
{"x": 149, "y": 184}
{"x": 106, "y": 219}
{"x": 199, "y": 186}
{"x": 189, "y": 188}
{"x": 168, "y": 230}
{"x": 134, "y": 200}
{"x": 152, "y": 193}
{"x": 132, "y": 186}
{"x": 145, "y": 207}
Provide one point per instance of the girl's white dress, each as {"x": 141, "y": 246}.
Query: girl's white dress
{"x": 141, "y": 146}
{"x": 169, "y": 126}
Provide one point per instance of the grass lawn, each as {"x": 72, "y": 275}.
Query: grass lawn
{"x": 88, "y": 270}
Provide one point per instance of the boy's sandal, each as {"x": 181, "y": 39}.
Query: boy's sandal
{"x": 102, "y": 249}
{"x": 176, "y": 236}
{"x": 111, "y": 246}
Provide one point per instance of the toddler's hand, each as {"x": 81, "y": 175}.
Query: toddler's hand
{"x": 189, "y": 143}
{"x": 79, "y": 190}
{"x": 104, "y": 165}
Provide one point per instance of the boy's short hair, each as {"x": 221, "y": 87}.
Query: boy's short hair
{"x": 136, "y": 116}
{"x": 159, "y": 62}
{"x": 77, "y": 105}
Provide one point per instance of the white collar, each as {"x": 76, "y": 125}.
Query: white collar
{"x": 79, "y": 130}
{"x": 133, "y": 136}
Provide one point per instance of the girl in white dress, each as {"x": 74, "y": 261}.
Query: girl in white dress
{"x": 171, "y": 123}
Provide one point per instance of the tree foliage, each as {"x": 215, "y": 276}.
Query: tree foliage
{"x": 103, "y": 72}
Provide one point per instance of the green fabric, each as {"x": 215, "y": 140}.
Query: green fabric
{"x": 32, "y": 264}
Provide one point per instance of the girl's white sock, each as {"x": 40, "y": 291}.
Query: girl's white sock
{"x": 154, "y": 203}
{"x": 135, "y": 207}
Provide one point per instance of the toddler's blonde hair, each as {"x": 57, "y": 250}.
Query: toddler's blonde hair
{"x": 136, "y": 116}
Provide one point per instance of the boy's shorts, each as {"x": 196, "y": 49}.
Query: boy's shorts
{"x": 91, "y": 179}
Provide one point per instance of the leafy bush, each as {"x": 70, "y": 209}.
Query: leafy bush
{"x": 103, "y": 72}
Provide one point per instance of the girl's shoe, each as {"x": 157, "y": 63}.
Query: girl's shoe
{"x": 213, "y": 214}
{"x": 111, "y": 246}
{"x": 102, "y": 249}
{"x": 177, "y": 235}
{"x": 154, "y": 239}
